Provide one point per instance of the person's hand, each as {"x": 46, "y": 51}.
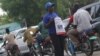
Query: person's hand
{"x": 3, "y": 46}
{"x": 51, "y": 21}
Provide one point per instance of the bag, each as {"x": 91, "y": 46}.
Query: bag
{"x": 60, "y": 30}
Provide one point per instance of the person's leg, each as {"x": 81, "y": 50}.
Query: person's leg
{"x": 57, "y": 42}
{"x": 29, "y": 46}
{"x": 61, "y": 44}
{"x": 39, "y": 40}
{"x": 53, "y": 38}
{"x": 7, "y": 49}
{"x": 73, "y": 35}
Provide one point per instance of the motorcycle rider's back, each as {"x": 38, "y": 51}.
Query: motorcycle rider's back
{"x": 11, "y": 40}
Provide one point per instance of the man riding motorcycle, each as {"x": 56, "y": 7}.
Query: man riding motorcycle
{"x": 81, "y": 21}
{"x": 31, "y": 35}
{"x": 9, "y": 41}
{"x": 28, "y": 37}
{"x": 44, "y": 37}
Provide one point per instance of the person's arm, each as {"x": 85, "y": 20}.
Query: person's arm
{"x": 89, "y": 17}
{"x": 66, "y": 28}
{"x": 70, "y": 22}
{"x": 4, "y": 42}
{"x": 38, "y": 28}
{"x": 50, "y": 22}
{"x": 74, "y": 26}
{"x": 75, "y": 21}
{"x": 25, "y": 37}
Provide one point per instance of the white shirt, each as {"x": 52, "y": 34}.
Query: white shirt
{"x": 10, "y": 38}
{"x": 82, "y": 19}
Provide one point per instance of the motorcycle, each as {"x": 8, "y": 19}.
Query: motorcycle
{"x": 44, "y": 47}
{"x": 14, "y": 51}
{"x": 86, "y": 44}
{"x": 47, "y": 48}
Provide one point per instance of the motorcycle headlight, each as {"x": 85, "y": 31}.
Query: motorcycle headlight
{"x": 31, "y": 33}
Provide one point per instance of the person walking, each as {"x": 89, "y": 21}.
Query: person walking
{"x": 48, "y": 20}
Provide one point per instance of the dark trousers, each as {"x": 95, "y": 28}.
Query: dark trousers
{"x": 58, "y": 42}
{"x": 29, "y": 46}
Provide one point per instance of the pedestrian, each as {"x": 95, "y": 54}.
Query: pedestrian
{"x": 48, "y": 20}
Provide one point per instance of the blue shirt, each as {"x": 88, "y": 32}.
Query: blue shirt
{"x": 46, "y": 18}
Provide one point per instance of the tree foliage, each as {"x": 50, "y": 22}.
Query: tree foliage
{"x": 31, "y": 10}
{"x": 4, "y": 20}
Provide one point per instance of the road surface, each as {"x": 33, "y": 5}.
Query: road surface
{"x": 96, "y": 53}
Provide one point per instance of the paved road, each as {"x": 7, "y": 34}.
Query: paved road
{"x": 97, "y": 53}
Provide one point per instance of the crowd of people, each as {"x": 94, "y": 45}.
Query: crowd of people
{"x": 80, "y": 20}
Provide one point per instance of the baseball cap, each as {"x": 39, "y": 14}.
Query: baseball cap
{"x": 49, "y": 5}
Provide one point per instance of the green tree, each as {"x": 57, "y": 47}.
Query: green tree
{"x": 4, "y": 20}
{"x": 31, "y": 10}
